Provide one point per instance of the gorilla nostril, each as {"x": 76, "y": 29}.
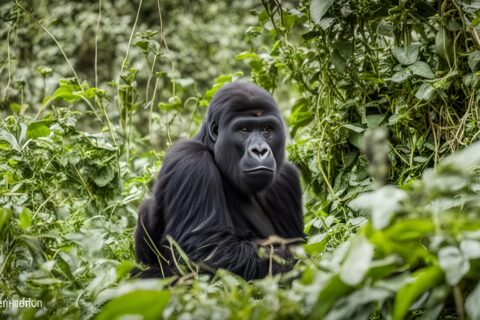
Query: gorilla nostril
{"x": 259, "y": 152}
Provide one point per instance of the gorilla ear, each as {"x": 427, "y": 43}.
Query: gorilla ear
{"x": 213, "y": 131}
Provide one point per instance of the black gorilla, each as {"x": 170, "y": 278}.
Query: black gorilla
{"x": 223, "y": 193}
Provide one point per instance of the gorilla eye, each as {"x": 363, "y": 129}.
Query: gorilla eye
{"x": 267, "y": 129}
{"x": 244, "y": 129}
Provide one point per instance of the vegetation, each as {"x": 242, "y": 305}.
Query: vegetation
{"x": 382, "y": 103}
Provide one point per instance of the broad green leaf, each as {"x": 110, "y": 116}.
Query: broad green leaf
{"x": 407, "y": 55}
{"x": 401, "y": 75}
{"x": 310, "y": 35}
{"x": 15, "y": 107}
{"x": 333, "y": 290}
{"x": 344, "y": 48}
{"x": 316, "y": 244}
{"x": 104, "y": 176}
{"x": 465, "y": 159}
{"x": 356, "y": 139}
{"x": 124, "y": 268}
{"x": 410, "y": 230}
{"x": 357, "y": 262}
{"x": 374, "y": 120}
{"x": 443, "y": 45}
{"x": 350, "y": 306}
{"x": 353, "y": 127}
{"x": 147, "y": 304}
{"x": 25, "y": 218}
{"x": 474, "y": 60}
{"x": 385, "y": 28}
{"x": 5, "y": 215}
{"x": 318, "y": 8}
{"x": 470, "y": 248}
{"x": 300, "y": 116}
{"x": 453, "y": 263}
{"x": 472, "y": 305}
{"x": 142, "y": 44}
{"x": 382, "y": 204}
{"x": 422, "y": 281}
{"x": 37, "y": 129}
{"x": 339, "y": 62}
{"x": 424, "y": 92}
{"x": 422, "y": 69}
{"x": 10, "y": 138}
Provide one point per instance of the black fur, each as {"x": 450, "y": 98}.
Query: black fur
{"x": 221, "y": 193}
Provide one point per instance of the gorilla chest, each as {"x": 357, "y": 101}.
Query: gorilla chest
{"x": 248, "y": 214}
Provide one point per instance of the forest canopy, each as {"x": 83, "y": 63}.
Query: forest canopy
{"x": 381, "y": 102}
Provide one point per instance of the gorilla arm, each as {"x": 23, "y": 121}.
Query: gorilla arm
{"x": 196, "y": 214}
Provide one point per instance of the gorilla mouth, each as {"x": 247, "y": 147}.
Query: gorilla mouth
{"x": 260, "y": 169}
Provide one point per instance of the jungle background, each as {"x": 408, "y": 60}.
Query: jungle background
{"x": 381, "y": 101}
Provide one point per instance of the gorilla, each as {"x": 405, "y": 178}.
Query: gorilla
{"x": 226, "y": 193}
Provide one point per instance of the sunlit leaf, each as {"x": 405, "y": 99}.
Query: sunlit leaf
{"x": 453, "y": 263}
{"x": 148, "y": 304}
{"x": 382, "y": 204}
{"x": 422, "y": 280}
{"x": 357, "y": 262}
{"x": 318, "y": 8}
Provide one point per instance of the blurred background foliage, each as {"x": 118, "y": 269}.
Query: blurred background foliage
{"x": 377, "y": 96}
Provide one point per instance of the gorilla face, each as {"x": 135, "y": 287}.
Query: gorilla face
{"x": 249, "y": 147}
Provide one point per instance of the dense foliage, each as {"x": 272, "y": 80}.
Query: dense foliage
{"x": 377, "y": 95}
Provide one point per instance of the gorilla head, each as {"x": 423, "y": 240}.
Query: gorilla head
{"x": 245, "y": 133}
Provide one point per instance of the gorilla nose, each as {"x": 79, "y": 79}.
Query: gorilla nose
{"x": 258, "y": 151}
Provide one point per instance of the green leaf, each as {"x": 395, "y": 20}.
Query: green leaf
{"x": 422, "y": 69}
{"x": 353, "y": 305}
{"x": 471, "y": 303}
{"x": 331, "y": 292}
{"x": 64, "y": 93}
{"x": 5, "y": 215}
{"x": 37, "y": 129}
{"x": 474, "y": 61}
{"x": 316, "y": 244}
{"x": 374, "y": 120}
{"x": 15, "y": 107}
{"x": 10, "y": 138}
{"x": 465, "y": 159}
{"x": 148, "y": 304}
{"x": 407, "y": 55}
{"x": 385, "y": 28}
{"x": 443, "y": 45}
{"x": 424, "y": 92}
{"x": 124, "y": 268}
{"x": 453, "y": 264}
{"x": 470, "y": 248}
{"x": 353, "y": 127}
{"x": 356, "y": 139}
{"x": 357, "y": 262}
{"x": 104, "y": 176}
{"x": 142, "y": 44}
{"x": 25, "y": 218}
{"x": 382, "y": 204}
{"x": 339, "y": 62}
{"x": 422, "y": 280}
{"x": 300, "y": 116}
{"x": 401, "y": 75}
{"x": 318, "y": 8}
